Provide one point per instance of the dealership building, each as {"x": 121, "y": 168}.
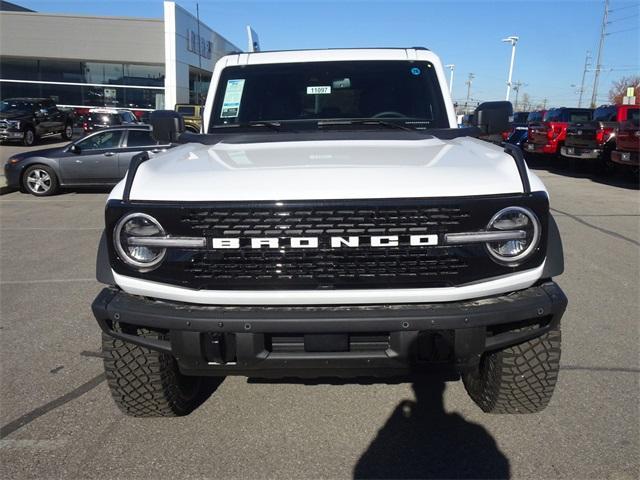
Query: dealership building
{"x": 86, "y": 61}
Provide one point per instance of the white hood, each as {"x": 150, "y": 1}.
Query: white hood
{"x": 329, "y": 169}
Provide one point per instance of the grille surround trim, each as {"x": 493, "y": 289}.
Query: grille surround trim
{"x": 352, "y": 268}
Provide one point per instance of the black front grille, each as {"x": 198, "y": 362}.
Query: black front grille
{"x": 323, "y": 221}
{"x": 327, "y": 267}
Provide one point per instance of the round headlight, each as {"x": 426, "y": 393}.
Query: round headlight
{"x": 514, "y": 252}
{"x": 129, "y": 236}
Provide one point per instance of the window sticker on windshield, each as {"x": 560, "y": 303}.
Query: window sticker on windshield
{"x": 232, "y": 99}
{"x": 319, "y": 90}
{"x": 416, "y": 71}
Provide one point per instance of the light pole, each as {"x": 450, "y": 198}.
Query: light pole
{"x": 451, "y": 67}
{"x": 512, "y": 40}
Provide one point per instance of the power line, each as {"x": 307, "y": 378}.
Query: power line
{"x": 623, "y": 8}
{"x": 622, "y": 31}
{"x": 623, "y": 18}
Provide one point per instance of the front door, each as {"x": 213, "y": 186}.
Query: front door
{"x": 96, "y": 161}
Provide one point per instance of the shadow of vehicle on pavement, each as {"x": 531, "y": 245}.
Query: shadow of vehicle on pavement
{"x": 621, "y": 177}
{"x": 422, "y": 440}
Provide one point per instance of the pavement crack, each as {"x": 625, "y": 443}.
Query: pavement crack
{"x": 611, "y": 233}
{"x": 52, "y": 405}
{"x": 600, "y": 369}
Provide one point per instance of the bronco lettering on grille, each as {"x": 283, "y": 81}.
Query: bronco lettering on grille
{"x": 334, "y": 242}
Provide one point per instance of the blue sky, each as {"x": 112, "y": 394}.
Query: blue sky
{"x": 554, "y": 35}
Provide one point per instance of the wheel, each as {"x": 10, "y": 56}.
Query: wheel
{"x": 147, "y": 383}
{"x": 517, "y": 379}
{"x": 67, "y": 133}
{"x": 29, "y": 138}
{"x": 40, "y": 180}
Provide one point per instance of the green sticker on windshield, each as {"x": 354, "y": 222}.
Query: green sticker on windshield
{"x": 232, "y": 99}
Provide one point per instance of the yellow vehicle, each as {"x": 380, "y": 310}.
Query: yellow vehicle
{"x": 192, "y": 115}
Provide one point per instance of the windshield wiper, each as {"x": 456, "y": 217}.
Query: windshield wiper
{"x": 365, "y": 121}
{"x": 272, "y": 125}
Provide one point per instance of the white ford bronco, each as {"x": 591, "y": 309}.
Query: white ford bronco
{"x": 331, "y": 221}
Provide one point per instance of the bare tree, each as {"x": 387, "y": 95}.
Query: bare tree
{"x": 525, "y": 104}
{"x": 619, "y": 89}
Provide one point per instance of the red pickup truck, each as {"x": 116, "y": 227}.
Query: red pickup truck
{"x": 548, "y": 136}
{"x": 595, "y": 140}
{"x": 628, "y": 144}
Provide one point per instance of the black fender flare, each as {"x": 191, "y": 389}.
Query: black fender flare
{"x": 554, "y": 264}
{"x": 103, "y": 267}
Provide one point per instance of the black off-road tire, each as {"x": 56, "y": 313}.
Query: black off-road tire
{"x": 67, "y": 133}
{"x": 147, "y": 383}
{"x": 518, "y": 379}
{"x": 29, "y": 138}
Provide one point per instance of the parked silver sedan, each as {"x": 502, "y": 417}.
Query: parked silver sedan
{"x": 98, "y": 159}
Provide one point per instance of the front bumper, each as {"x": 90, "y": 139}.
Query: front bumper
{"x": 626, "y": 158}
{"x": 582, "y": 153}
{"x": 344, "y": 341}
{"x": 12, "y": 173}
{"x": 11, "y": 134}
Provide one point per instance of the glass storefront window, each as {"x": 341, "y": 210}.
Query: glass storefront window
{"x": 104, "y": 73}
{"x": 18, "y": 68}
{"x": 60, "y": 71}
{"x": 147, "y": 75}
{"x": 82, "y": 72}
{"x": 86, "y": 95}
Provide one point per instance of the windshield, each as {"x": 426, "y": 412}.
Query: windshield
{"x": 520, "y": 117}
{"x": 188, "y": 110}
{"x": 535, "y": 117}
{"x": 605, "y": 114}
{"x": 570, "y": 115}
{"x": 401, "y": 92}
{"x": 9, "y": 105}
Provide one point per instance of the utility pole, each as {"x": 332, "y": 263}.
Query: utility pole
{"x": 544, "y": 104}
{"x": 468, "y": 84}
{"x": 512, "y": 40}
{"x": 584, "y": 74}
{"x": 516, "y": 88}
{"x": 451, "y": 67}
{"x": 603, "y": 33}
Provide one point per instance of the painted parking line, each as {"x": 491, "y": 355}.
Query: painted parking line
{"x": 51, "y": 280}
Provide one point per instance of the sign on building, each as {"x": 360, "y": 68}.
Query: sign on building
{"x": 198, "y": 45}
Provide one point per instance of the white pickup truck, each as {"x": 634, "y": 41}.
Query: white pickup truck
{"x": 331, "y": 221}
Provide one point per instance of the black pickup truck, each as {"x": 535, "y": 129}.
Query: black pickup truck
{"x": 29, "y": 119}
{"x": 595, "y": 140}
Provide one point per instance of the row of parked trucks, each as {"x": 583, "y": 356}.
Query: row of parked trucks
{"x": 605, "y": 136}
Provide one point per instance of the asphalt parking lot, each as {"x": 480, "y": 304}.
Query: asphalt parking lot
{"x": 58, "y": 420}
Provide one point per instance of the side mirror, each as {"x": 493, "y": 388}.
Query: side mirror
{"x": 166, "y": 126}
{"x": 75, "y": 149}
{"x": 493, "y": 117}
